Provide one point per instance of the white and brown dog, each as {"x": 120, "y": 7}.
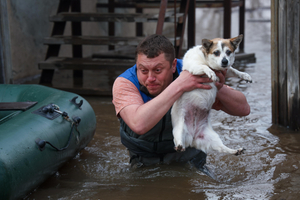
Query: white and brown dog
{"x": 190, "y": 113}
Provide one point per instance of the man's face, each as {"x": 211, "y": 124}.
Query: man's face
{"x": 155, "y": 73}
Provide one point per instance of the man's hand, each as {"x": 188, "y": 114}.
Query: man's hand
{"x": 221, "y": 75}
{"x": 190, "y": 82}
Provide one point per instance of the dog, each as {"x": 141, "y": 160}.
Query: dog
{"x": 191, "y": 112}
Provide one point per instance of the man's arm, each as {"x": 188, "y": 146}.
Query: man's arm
{"x": 141, "y": 118}
{"x": 229, "y": 100}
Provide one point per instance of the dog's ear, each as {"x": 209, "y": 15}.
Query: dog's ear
{"x": 207, "y": 44}
{"x": 236, "y": 41}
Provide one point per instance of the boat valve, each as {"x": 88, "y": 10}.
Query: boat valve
{"x": 40, "y": 143}
{"x": 48, "y": 109}
{"x": 51, "y": 108}
{"x": 76, "y": 120}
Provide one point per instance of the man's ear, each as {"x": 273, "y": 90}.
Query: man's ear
{"x": 174, "y": 64}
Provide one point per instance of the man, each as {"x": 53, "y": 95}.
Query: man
{"x": 144, "y": 94}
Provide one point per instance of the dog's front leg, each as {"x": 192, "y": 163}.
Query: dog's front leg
{"x": 202, "y": 69}
{"x": 231, "y": 72}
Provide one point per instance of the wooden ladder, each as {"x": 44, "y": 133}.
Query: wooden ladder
{"x": 113, "y": 60}
{"x": 70, "y": 11}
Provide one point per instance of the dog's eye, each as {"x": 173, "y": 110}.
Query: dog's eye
{"x": 217, "y": 53}
{"x": 228, "y": 52}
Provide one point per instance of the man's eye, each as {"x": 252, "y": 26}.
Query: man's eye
{"x": 228, "y": 52}
{"x": 158, "y": 70}
{"x": 217, "y": 53}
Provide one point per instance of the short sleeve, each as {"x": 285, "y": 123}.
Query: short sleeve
{"x": 125, "y": 93}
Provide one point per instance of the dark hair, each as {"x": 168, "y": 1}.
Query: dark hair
{"x": 154, "y": 45}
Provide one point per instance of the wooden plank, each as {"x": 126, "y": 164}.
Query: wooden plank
{"x": 86, "y": 63}
{"x": 293, "y": 64}
{"x": 282, "y": 71}
{"x": 274, "y": 61}
{"x": 243, "y": 58}
{"x": 95, "y": 40}
{"x": 111, "y": 17}
{"x": 5, "y": 106}
{"x": 156, "y": 4}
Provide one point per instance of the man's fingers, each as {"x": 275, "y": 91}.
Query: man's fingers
{"x": 219, "y": 85}
{"x": 205, "y": 87}
{"x": 221, "y": 76}
{"x": 204, "y": 80}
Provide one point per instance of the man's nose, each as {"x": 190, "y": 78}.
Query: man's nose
{"x": 151, "y": 77}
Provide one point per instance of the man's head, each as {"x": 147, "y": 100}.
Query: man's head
{"x": 154, "y": 45}
{"x": 156, "y": 63}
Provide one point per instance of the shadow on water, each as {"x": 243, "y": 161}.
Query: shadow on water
{"x": 269, "y": 169}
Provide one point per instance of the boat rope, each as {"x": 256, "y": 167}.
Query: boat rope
{"x": 42, "y": 143}
{"x": 74, "y": 121}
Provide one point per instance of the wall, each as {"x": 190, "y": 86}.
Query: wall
{"x": 27, "y": 25}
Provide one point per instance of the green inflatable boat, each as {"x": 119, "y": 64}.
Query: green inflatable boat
{"x": 41, "y": 128}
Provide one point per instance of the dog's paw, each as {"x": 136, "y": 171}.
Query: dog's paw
{"x": 246, "y": 77}
{"x": 240, "y": 151}
{"x": 211, "y": 74}
{"x": 179, "y": 148}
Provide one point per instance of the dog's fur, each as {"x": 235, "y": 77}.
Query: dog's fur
{"x": 190, "y": 113}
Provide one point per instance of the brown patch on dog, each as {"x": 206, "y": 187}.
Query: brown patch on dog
{"x": 208, "y": 46}
{"x": 236, "y": 40}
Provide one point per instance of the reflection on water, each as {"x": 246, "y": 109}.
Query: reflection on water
{"x": 269, "y": 169}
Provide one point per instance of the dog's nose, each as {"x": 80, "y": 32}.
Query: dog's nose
{"x": 224, "y": 62}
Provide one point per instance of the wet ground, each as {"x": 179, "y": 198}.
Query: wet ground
{"x": 269, "y": 169}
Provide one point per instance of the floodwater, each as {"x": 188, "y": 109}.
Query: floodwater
{"x": 269, "y": 169}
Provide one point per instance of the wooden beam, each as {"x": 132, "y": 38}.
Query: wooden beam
{"x": 274, "y": 60}
{"x": 192, "y": 24}
{"x": 77, "y": 49}
{"x": 242, "y": 25}
{"x": 282, "y": 70}
{"x": 53, "y": 50}
{"x": 227, "y": 19}
{"x": 293, "y": 64}
{"x": 161, "y": 16}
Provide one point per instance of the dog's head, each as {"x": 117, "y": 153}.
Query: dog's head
{"x": 220, "y": 53}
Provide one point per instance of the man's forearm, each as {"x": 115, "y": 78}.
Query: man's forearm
{"x": 141, "y": 118}
{"x": 232, "y": 102}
